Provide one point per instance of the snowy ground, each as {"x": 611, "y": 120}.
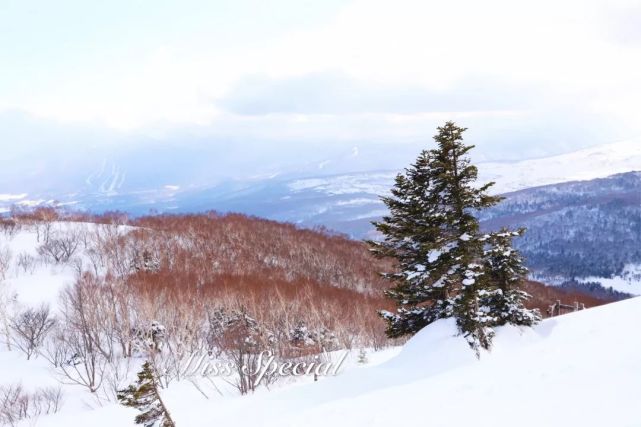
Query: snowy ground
{"x": 628, "y": 281}
{"x": 578, "y": 369}
{"x": 44, "y": 282}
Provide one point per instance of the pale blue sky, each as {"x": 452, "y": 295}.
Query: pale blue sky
{"x": 45, "y": 39}
{"x": 46, "y": 44}
{"x": 528, "y": 78}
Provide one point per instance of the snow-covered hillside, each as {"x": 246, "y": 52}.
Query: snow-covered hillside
{"x": 577, "y": 369}
{"x": 586, "y": 164}
{"x": 26, "y": 276}
{"x": 628, "y": 281}
{"x": 589, "y": 163}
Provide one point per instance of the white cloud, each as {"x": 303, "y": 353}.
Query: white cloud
{"x": 561, "y": 50}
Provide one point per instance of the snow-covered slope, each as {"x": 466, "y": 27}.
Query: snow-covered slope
{"x": 589, "y": 163}
{"x": 628, "y": 281}
{"x": 586, "y": 164}
{"x": 578, "y": 369}
{"x": 31, "y": 280}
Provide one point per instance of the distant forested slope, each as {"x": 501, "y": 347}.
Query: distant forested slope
{"x": 576, "y": 229}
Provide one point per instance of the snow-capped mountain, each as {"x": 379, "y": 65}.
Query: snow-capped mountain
{"x": 586, "y": 164}
{"x": 107, "y": 180}
{"x": 184, "y": 178}
{"x": 590, "y": 163}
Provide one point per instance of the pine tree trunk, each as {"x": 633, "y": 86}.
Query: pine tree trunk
{"x": 162, "y": 404}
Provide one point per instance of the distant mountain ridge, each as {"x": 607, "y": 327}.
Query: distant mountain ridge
{"x": 587, "y": 225}
{"x": 183, "y": 179}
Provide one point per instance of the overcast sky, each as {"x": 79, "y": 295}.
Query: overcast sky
{"x": 528, "y": 78}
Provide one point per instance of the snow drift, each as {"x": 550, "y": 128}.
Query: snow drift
{"x": 577, "y": 369}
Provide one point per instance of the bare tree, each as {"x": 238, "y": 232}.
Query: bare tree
{"x": 53, "y": 348}
{"x": 30, "y": 328}
{"x": 5, "y": 262}
{"x": 51, "y": 251}
{"x": 45, "y": 217}
{"x": 116, "y": 377}
{"x": 12, "y": 404}
{"x": 77, "y": 264}
{"x": 9, "y": 227}
{"x": 69, "y": 242}
{"x": 7, "y": 301}
{"x": 16, "y": 404}
{"x": 61, "y": 247}
{"x": 242, "y": 341}
{"x": 86, "y": 350}
{"x": 26, "y": 263}
{"x": 83, "y": 364}
{"x": 49, "y": 400}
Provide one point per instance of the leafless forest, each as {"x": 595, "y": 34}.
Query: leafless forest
{"x": 171, "y": 288}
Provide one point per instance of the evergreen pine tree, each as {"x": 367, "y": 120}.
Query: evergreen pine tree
{"x": 413, "y": 235}
{"x": 145, "y": 397}
{"x": 505, "y": 270}
{"x": 433, "y": 233}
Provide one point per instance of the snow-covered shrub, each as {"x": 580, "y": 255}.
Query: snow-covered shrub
{"x": 362, "y": 357}
{"x": 301, "y": 336}
{"x": 149, "y": 338}
{"x": 145, "y": 260}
